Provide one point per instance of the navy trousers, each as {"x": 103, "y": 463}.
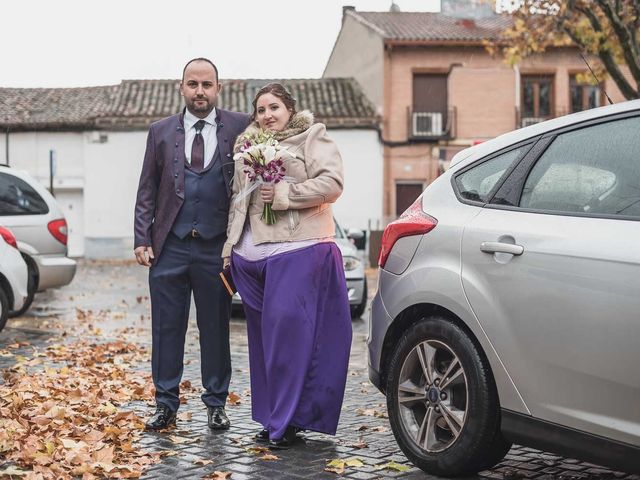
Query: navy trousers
{"x": 186, "y": 265}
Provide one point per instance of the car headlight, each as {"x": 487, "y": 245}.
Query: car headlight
{"x": 350, "y": 263}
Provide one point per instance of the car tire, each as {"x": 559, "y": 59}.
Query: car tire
{"x": 32, "y": 286}
{"x": 500, "y": 446}
{"x": 4, "y": 308}
{"x": 358, "y": 310}
{"x": 442, "y": 401}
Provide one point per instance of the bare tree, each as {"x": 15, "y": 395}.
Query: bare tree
{"x": 607, "y": 29}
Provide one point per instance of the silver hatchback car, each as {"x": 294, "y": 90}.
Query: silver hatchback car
{"x": 37, "y": 222}
{"x": 508, "y": 304}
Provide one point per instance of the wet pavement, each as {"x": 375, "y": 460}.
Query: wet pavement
{"x": 107, "y": 298}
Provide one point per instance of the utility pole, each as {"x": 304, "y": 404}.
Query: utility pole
{"x": 52, "y": 170}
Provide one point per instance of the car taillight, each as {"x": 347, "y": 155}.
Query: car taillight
{"x": 412, "y": 222}
{"x": 8, "y": 237}
{"x": 58, "y": 228}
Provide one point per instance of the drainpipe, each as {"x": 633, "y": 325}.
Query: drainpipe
{"x": 516, "y": 71}
{"x": 6, "y": 146}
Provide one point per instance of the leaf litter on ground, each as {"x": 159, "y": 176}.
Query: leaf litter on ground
{"x": 66, "y": 420}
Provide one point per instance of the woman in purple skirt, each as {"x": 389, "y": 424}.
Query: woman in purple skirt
{"x": 290, "y": 276}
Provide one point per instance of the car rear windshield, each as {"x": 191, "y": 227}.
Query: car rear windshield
{"x": 17, "y": 197}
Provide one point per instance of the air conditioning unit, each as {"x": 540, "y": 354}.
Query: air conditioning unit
{"x": 526, "y": 121}
{"x": 427, "y": 124}
{"x": 98, "y": 137}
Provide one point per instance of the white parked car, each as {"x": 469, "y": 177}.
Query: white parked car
{"x": 13, "y": 276}
{"x": 37, "y": 222}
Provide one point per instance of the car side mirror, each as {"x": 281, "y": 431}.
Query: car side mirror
{"x": 355, "y": 233}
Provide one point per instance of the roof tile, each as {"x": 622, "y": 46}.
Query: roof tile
{"x": 137, "y": 103}
{"x": 428, "y": 26}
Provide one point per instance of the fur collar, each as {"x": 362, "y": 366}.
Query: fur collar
{"x": 299, "y": 122}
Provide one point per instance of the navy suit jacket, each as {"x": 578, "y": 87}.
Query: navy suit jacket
{"x": 161, "y": 187}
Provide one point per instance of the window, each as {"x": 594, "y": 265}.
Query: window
{"x": 595, "y": 170}
{"x": 476, "y": 184}
{"x": 583, "y": 95}
{"x": 537, "y": 98}
{"x": 18, "y": 198}
{"x": 429, "y": 113}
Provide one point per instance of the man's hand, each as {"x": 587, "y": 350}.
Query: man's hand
{"x": 144, "y": 256}
{"x": 267, "y": 192}
{"x": 226, "y": 261}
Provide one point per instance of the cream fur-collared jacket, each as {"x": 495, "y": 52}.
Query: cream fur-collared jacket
{"x": 302, "y": 205}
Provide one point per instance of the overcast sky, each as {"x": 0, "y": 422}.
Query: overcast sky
{"x": 71, "y": 43}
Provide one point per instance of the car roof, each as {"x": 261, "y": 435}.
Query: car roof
{"x": 478, "y": 151}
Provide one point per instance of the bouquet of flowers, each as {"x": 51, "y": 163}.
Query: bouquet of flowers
{"x": 262, "y": 158}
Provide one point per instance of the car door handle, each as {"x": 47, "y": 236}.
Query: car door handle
{"x": 498, "y": 247}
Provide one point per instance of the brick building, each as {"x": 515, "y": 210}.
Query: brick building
{"x": 438, "y": 90}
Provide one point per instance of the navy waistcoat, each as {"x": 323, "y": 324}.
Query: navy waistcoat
{"x": 206, "y": 204}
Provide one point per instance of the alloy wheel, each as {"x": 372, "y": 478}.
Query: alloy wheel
{"x": 432, "y": 396}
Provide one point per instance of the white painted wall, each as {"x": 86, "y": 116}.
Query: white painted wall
{"x": 112, "y": 171}
{"x": 29, "y": 151}
{"x": 359, "y": 53}
{"x": 361, "y": 200}
{"x": 96, "y": 182}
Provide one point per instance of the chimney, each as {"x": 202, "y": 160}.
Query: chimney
{"x": 345, "y": 9}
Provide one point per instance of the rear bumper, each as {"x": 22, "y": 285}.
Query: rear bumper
{"x": 16, "y": 273}
{"x": 54, "y": 271}
{"x": 379, "y": 322}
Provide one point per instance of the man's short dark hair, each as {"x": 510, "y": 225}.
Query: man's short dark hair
{"x": 200, "y": 59}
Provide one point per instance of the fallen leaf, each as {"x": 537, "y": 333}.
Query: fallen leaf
{"x": 203, "y": 462}
{"x": 217, "y": 475}
{"x": 380, "y": 428}
{"x": 185, "y": 416}
{"x": 393, "y": 466}
{"x": 257, "y": 450}
{"x": 269, "y": 456}
{"x": 335, "y": 466}
{"x": 354, "y": 462}
{"x": 371, "y": 412}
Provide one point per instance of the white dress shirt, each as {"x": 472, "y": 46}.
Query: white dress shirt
{"x": 209, "y": 135}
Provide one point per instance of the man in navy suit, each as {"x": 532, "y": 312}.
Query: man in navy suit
{"x": 181, "y": 217}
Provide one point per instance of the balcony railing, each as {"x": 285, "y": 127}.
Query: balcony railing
{"x": 430, "y": 125}
{"x": 525, "y": 121}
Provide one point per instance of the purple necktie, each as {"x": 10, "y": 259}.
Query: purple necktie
{"x": 197, "y": 148}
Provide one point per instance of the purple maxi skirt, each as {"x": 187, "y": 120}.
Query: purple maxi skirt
{"x": 299, "y": 329}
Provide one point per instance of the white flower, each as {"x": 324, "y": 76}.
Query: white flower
{"x": 269, "y": 153}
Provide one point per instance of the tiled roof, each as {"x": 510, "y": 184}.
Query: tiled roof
{"x": 70, "y": 107}
{"x": 425, "y": 26}
{"x": 338, "y": 102}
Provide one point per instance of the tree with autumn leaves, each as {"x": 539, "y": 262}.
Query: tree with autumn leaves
{"x": 606, "y": 29}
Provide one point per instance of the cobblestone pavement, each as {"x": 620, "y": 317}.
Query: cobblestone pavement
{"x": 120, "y": 290}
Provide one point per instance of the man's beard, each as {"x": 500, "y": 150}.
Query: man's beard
{"x": 205, "y": 107}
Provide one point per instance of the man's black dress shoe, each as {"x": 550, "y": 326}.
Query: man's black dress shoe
{"x": 163, "y": 418}
{"x": 217, "y": 418}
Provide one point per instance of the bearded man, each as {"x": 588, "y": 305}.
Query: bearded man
{"x": 180, "y": 223}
